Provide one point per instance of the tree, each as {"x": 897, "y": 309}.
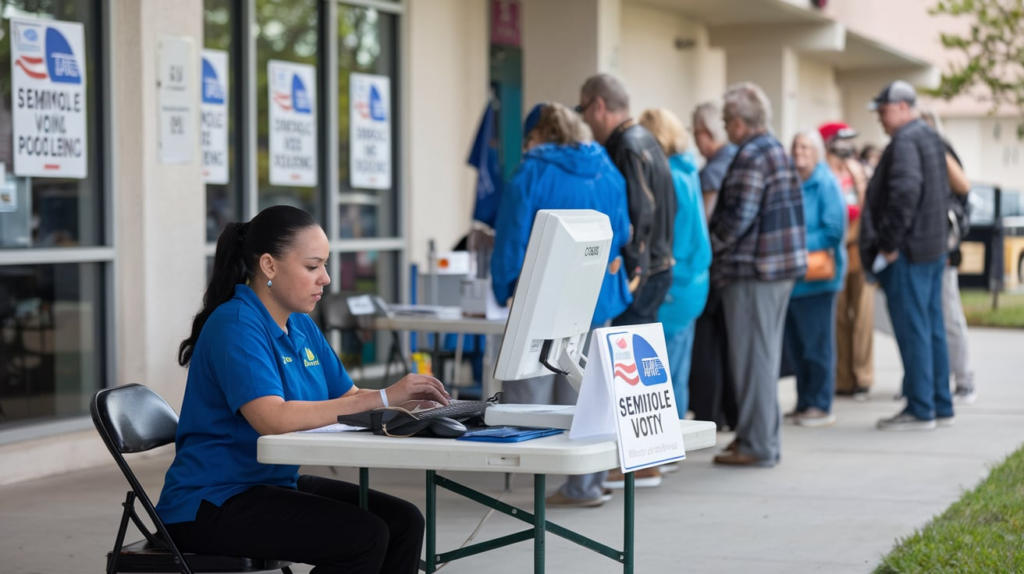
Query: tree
{"x": 992, "y": 68}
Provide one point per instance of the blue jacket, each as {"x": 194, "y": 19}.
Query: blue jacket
{"x": 825, "y": 218}
{"x": 691, "y": 249}
{"x": 562, "y": 177}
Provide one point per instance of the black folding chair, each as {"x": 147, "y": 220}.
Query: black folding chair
{"x": 131, "y": 419}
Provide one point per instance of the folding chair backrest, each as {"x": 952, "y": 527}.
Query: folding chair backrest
{"x": 133, "y": 418}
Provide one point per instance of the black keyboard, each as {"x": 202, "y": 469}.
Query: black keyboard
{"x": 455, "y": 409}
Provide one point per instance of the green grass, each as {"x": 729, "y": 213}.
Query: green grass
{"x": 982, "y": 532}
{"x": 978, "y": 309}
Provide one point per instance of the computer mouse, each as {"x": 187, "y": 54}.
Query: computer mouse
{"x": 444, "y": 427}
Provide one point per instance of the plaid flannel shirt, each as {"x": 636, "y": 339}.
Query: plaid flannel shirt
{"x": 757, "y": 229}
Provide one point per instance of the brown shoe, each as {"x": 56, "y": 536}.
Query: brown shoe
{"x": 559, "y": 500}
{"x": 736, "y": 458}
{"x": 643, "y": 478}
{"x": 732, "y": 446}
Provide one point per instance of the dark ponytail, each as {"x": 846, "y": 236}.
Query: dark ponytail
{"x": 239, "y": 249}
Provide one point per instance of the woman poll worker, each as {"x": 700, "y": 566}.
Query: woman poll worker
{"x": 259, "y": 365}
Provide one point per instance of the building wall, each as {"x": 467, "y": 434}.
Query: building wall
{"x": 159, "y": 212}
{"x": 446, "y": 55}
{"x": 818, "y": 96}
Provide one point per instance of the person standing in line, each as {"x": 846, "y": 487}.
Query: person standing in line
{"x": 952, "y": 305}
{"x": 904, "y": 235}
{"x": 691, "y": 250}
{"x": 855, "y": 307}
{"x": 711, "y": 385}
{"x": 758, "y": 242}
{"x": 810, "y": 341}
{"x": 712, "y": 143}
{"x": 562, "y": 169}
{"x": 604, "y": 106}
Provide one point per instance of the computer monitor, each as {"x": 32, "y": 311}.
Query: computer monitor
{"x": 553, "y": 305}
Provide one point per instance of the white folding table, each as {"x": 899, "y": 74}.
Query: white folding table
{"x": 549, "y": 455}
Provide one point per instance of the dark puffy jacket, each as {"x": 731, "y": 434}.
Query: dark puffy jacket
{"x": 651, "y": 195}
{"x": 908, "y": 198}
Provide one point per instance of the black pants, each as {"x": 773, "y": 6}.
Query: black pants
{"x": 646, "y": 301}
{"x": 320, "y": 523}
{"x": 711, "y": 387}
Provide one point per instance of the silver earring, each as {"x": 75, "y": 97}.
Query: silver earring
{"x": 270, "y": 283}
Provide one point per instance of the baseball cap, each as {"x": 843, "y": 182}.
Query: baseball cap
{"x": 531, "y": 119}
{"x": 898, "y": 91}
{"x": 836, "y": 130}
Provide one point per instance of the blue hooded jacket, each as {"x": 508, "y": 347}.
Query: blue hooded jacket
{"x": 825, "y": 220}
{"x": 691, "y": 249}
{"x": 561, "y": 177}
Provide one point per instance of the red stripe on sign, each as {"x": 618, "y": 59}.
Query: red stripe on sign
{"x": 296, "y": 176}
{"x": 51, "y": 166}
{"x": 31, "y": 74}
{"x": 31, "y": 60}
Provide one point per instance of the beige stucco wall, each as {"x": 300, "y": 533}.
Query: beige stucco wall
{"x": 446, "y": 51}
{"x": 818, "y": 97}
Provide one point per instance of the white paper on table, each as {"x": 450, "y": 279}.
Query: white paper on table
{"x": 336, "y": 427}
{"x": 595, "y": 414}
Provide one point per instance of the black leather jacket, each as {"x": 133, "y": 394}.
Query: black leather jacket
{"x": 651, "y": 196}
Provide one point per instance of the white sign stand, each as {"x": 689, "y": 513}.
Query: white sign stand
{"x": 177, "y": 110}
{"x": 627, "y": 393}
{"x": 370, "y": 131}
{"x": 214, "y": 117}
{"x": 293, "y": 135}
{"x": 48, "y": 99}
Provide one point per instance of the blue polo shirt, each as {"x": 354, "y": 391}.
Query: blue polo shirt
{"x": 242, "y": 355}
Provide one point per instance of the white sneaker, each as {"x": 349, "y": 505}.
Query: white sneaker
{"x": 813, "y": 417}
{"x": 946, "y": 421}
{"x": 965, "y": 396}
{"x": 905, "y": 421}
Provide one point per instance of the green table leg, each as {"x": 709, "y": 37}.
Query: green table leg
{"x": 431, "y": 519}
{"x": 364, "y": 488}
{"x": 539, "y": 523}
{"x": 627, "y": 558}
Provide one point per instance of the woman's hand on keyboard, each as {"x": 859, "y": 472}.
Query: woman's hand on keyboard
{"x": 417, "y": 387}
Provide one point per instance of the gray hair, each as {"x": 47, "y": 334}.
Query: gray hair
{"x": 814, "y": 138}
{"x": 708, "y": 117}
{"x": 931, "y": 118}
{"x": 608, "y": 88}
{"x": 748, "y": 102}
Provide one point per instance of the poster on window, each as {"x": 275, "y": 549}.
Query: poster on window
{"x": 213, "y": 125}
{"x": 370, "y": 131}
{"x": 48, "y": 97}
{"x": 176, "y": 107}
{"x": 293, "y": 141}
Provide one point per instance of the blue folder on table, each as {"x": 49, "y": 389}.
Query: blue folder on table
{"x": 507, "y": 434}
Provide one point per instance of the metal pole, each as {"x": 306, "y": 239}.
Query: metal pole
{"x": 539, "y": 526}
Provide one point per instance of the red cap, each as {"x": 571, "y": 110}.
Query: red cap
{"x": 836, "y": 130}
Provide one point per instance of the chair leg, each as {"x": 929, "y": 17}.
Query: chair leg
{"x": 129, "y": 503}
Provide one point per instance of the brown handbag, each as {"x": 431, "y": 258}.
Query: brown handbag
{"x": 821, "y": 265}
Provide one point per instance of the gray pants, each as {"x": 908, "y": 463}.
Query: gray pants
{"x": 956, "y": 330}
{"x": 554, "y": 390}
{"x": 755, "y": 317}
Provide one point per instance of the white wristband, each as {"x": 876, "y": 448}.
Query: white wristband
{"x": 384, "y": 397}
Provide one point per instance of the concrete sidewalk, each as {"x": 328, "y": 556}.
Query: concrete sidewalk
{"x": 840, "y": 498}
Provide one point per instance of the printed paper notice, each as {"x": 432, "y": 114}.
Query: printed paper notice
{"x": 48, "y": 97}
{"x": 177, "y": 111}
{"x": 213, "y": 126}
{"x": 370, "y": 131}
{"x": 293, "y": 139}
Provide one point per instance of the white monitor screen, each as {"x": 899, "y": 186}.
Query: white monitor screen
{"x": 566, "y": 261}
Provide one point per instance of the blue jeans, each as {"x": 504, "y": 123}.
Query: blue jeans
{"x": 680, "y": 348}
{"x": 810, "y": 347}
{"x": 914, "y": 293}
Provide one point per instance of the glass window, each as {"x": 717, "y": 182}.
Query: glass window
{"x": 51, "y": 333}
{"x": 52, "y": 211}
{"x": 367, "y": 45}
{"x": 286, "y": 30}
{"x": 367, "y": 272}
{"x": 224, "y": 201}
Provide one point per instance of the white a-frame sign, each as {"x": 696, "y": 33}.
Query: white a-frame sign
{"x": 627, "y": 392}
